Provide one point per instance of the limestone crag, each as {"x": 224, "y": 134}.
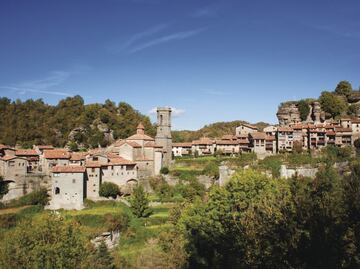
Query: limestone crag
{"x": 288, "y": 113}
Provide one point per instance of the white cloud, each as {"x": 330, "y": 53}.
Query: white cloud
{"x": 42, "y": 86}
{"x": 175, "y": 112}
{"x": 167, "y": 38}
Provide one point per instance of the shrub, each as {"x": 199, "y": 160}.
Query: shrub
{"x": 108, "y": 189}
{"x": 8, "y": 220}
{"x": 140, "y": 203}
{"x": 164, "y": 171}
{"x": 39, "y": 197}
{"x": 211, "y": 169}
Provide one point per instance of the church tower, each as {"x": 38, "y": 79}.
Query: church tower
{"x": 163, "y": 134}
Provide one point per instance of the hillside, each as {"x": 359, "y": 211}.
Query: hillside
{"x": 214, "y": 130}
{"x": 70, "y": 122}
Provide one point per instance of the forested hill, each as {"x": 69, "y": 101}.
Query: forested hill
{"x": 69, "y": 122}
{"x": 214, "y": 130}
{"x": 79, "y": 125}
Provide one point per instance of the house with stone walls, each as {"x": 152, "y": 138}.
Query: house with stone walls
{"x": 258, "y": 142}
{"x": 68, "y": 187}
{"x": 181, "y": 149}
{"x": 203, "y": 146}
{"x": 52, "y": 158}
{"x": 245, "y": 129}
{"x": 285, "y": 139}
{"x": 31, "y": 156}
{"x": 13, "y": 167}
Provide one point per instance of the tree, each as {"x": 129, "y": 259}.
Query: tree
{"x": 45, "y": 242}
{"x": 344, "y": 88}
{"x": 357, "y": 145}
{"x": 304, "y": 109}
{"x": 140, "y": 203}
{"x": 109, "y": 189}
{"x": 4, "y": 188}
{"x": 164, "y": 170}
{"x": 102, "y": 258}
{"x": 333, "y": 104}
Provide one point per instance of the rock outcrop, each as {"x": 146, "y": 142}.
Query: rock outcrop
{"x": 288, "y": 113}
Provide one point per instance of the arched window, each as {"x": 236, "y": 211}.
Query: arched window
{"x": 57, "y": 190}
{"x": 161, "y": 119}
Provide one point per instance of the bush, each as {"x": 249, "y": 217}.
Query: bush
{"x": 164, "y": 171}
{"x": 8, "y": 220}
{"x": 39, "y": 197}
{"x": 140, "y": 203}
{"x": 212, "y": 170}
{"x": 108, "y": 189}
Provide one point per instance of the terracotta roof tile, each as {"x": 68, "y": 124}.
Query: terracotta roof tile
{"x": 78, "y": 156}
{"x": 183, "y": 144}
{"x": 56, "y": 154}
{"x": 26, "y": 152}
{"x": 258, "y": 135}
{"x": 119, "y": 143}
{"x": 152, "y": 144}
{"x": 69, "y": 169}
{"x": 7, "y": 158}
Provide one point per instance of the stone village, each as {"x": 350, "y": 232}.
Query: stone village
{"x": 71, "y": 177}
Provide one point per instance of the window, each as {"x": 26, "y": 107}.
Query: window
{"x": 74, "y": 180}
{"x": 92, "y": 169}
{"x": 56, "y": 174}
{"x": 57, "y": 190}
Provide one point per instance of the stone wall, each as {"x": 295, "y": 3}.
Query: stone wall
{"x": 286, "y": 172}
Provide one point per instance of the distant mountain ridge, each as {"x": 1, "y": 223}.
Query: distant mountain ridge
{"x": 213, "y": 130}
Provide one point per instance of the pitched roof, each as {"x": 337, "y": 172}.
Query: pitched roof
{"x": 26, "y": 152}
{"x": 285, "y": 129}
{"x": 119, "y": 143}
{"x": 78, "y": 156}
{"x": 140, "y": 137}
{"x": 183, "y": 144}
{"x": 203, "y": 141}
{"x": 270, "y": 138}
{"x": 357, "y": 120}
{"x": 258, "y": 135}
{"x": 2, "y": 146}
{"x": 68, "y": 169}
{"x": 227, "y": 142}
{"x": 93, "y": 164}
{"x": 7, "y": 158}
{"x": 56, "y": 154}
{"x": 343, "y": 130}
{"x": 44, "y": 146}
{"x": 152, "y": 144}
{"x": 248, "y": 126}
{"x": 119, "y": 161}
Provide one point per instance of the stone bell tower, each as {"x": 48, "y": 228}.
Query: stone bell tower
{"x": 163, "y": 134}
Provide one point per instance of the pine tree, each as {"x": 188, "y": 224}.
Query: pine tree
{"x": 103, "y": 258}
{"x": 140, "y": 203}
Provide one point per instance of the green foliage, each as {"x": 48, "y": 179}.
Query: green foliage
{"x": 304, "y": 109}
{"x": 272, "y": 163}
{"x": 357, "y": 144}
{"x": 109, "y": 189}
{"x": 217, "y": 129}
{"x": 34, "y": 122}
{"x": 211, "y": 169}
{"x": 164, "y": 170}
{"x": 333, "y": 104}
{"x": 46, "y": 242}
{"x": 343, "y": 88}
{"x": 258, "y": 222}
{"x": 190, "y": 190}
{"x": 4, "y": 188}
{"x": 140, "y": 203}
{"x": 102, "y": 258}
{"x": 333, "y": 153}
{"x": 39, "y": 197}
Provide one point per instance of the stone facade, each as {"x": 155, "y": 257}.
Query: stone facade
{"x": 163, "y": 134}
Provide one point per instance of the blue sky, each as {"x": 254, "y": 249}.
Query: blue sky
{"x": 210, "y": 60}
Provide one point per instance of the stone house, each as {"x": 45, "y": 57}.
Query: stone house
{"x": 142, "y": 150}
{"x": 31, "y": 156}
{"x": 355, "y": 126}
{"x": 284, "y": 139}
{"x": 6, "y": 150}
{"x": 245, "y": 129}
{"x": 77, "y": 158}
{"x": 52, "y": 158}
{"x": 40, "y": 148}
{"x": 244, "y": 143}
{"x": 228, "y": 145}
{"x": 13, "y": 167}
{"x": 181, "y": 149}
{"x": 343, "y": 136}
{"x": 203, "y": 146}
{"x": 270, "y": 144}
{"x": 68, "y": 187}
{"x": 270, "y": 130}
{"x": 257, "y": 142}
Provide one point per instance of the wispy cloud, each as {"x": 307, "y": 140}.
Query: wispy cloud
{"x": 42, "y": 86}
{"x": 205, "y": 12}
{"x": 176, "y": 112}
{"x": 335, "y": 30}
{"x": 149, "y": 32}
{"x": 166, "y": 39}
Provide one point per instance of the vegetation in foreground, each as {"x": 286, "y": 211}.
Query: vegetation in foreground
{"x": 253, "y": 222}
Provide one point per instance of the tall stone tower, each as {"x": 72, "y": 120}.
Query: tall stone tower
{"x": 163, "y": 134}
